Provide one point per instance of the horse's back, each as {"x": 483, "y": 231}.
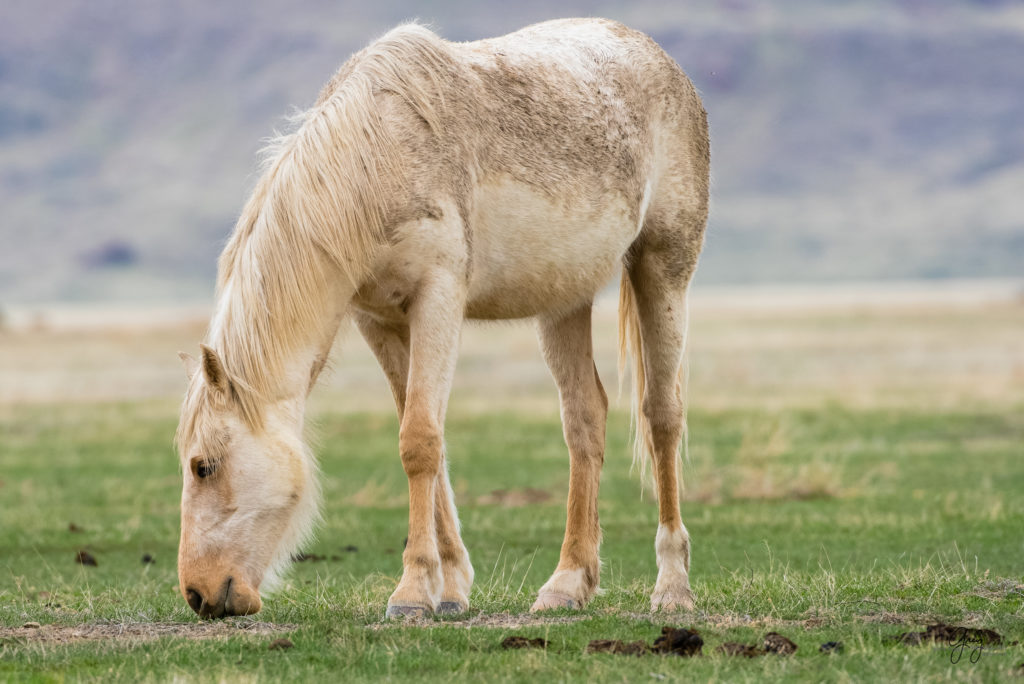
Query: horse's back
{"x": 552, "y": 145}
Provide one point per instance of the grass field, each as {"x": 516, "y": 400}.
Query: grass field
{"x": 855, "y": 472}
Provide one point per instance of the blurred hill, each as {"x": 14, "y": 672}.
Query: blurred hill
{"x": 851, "y": 140}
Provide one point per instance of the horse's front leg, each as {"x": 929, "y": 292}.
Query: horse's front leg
{"x": 435, "y": 322}
{"x": 567, "y": 347}
{"x": 390, "y": 344}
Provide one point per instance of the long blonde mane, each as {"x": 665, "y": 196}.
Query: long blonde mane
{"x": 318, "y": 212}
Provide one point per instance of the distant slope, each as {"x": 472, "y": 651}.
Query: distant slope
{"x": 854, "y": 140}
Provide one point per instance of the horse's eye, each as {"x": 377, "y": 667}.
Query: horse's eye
{"x": 202, "y": 468}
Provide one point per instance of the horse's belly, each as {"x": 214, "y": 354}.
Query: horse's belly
{"x": 532, "y": 253}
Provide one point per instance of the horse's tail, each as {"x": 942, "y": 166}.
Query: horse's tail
{"x": 630, "y": 345}
{"x": 631, "y": 349}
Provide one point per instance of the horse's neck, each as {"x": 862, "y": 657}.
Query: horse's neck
{"x": 290, "y": 377}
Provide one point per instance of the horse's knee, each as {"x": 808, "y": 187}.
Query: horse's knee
{"x": 419, "y": 445}
{"x": 584, "y": 428}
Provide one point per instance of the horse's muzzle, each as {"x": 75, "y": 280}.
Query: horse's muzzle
{"x": 230, "y": 598}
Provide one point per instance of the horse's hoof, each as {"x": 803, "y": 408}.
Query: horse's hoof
{"x": 450, "y": 608}
{"x": 553, "y": 601}
{"x": 406, "y": 612}
{"x": 672, "y": 601}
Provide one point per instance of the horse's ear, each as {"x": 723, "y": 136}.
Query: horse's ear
{"x": 214, "y": 370}
{"x": 191, "y": 365}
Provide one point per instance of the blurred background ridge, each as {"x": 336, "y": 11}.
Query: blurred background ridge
{"x": 850, "y": 141}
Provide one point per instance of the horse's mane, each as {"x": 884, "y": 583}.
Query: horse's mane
{"x": 318, "y": 211}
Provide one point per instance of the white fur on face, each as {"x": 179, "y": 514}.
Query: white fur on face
{"x": 260, "y": 509}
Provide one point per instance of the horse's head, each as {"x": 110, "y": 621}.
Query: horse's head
{"x": 249, "y": 494}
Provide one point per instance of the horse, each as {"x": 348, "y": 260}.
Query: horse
{"x": 431, "y": 183}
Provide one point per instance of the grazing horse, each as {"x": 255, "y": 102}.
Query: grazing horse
{"x": 434, "y": 182}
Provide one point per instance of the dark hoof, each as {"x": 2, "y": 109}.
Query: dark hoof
{"x": 405, "y": 612}
{"x": 450, "y": 608}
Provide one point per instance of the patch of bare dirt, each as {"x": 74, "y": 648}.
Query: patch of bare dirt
{"x": 887, "y": 617}
{"x": 492, "y": 620}
{"x": 997, "y": 590}
{"x": 135, "y": 631}
{"x": 727, "y": 620}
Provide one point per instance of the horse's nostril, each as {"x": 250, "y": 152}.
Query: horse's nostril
{"x": 194, "y": 598}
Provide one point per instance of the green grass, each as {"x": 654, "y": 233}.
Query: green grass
{"x": 823, "y": 525}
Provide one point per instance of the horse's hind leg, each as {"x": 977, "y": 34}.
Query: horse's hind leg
{"x": 390, "y": 344}
{"x": 567, "y": 347}
{"x": 659, "y": 268}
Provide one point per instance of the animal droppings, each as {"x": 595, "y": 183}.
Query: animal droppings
{"x": 72, "y": 527}
{"x": 831, "y": 647}
{"x": 303, "y": 557}
{"x": 516, "y": 641}
{"x": 85, "y": 558}
{"x": 682, "y": 642}
{"x": 148, "y": 559}
{"x": 673, "y": 640}
{"x": 778, "y": 644}
{"x": 280, "y": 645}
{"x": 351, "y": 548}
{"x": 31, "y": 625}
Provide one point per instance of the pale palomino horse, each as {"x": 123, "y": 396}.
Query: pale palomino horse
{"x": 434, "y": 182}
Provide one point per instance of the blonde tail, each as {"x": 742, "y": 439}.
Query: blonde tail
{"x": 631, "y": 345}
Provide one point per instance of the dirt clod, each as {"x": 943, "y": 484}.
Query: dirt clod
{"x": 831, "y": 647}
{"x": 732, "y": 648}
{"x": 280, "y": 644}
{"x": 31, "y": 625}
{"x": 148, "y": 559}
{"x": 778, "y": 644}
{"x": 514, "y": 498}
{"x": 950, "y": 634}
{"x": 516, "y": 641}
{"x": 85, "y": 558}
{"x": 72, "y": 527}
{"x": 637, "y": 648}
{"x": 303, "y": 557}
{"x": 682, "y": 642}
